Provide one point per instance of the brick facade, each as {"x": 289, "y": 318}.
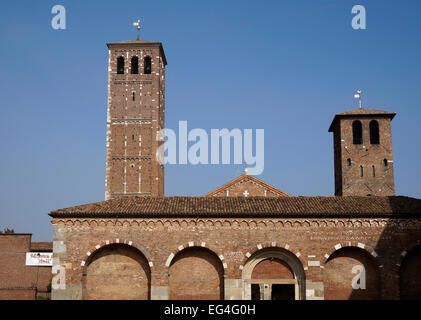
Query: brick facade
{"x": 186, "y": 256}
{"x": 18, "y": 281}
{"x": 244, "y": 240}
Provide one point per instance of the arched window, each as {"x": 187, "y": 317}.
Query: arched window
{"x": 385, "y": 162}
{"x": 361, "y": 171}
{"x": 133, "y": 96}
{"x": 120, "y": 65}
{"x": 357, "y": 132}
{"x": 349, "y": 162}
{"x": 147, "y": 65}
{"x": 135, "y": 65}
{"x": 374, "y": 132}
{"x": 374, "y": 170}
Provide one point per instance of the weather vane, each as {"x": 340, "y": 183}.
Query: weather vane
{"x": 137, "y": 25}
{"x": 358, "y": 96}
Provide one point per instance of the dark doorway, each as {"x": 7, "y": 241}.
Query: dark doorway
{"x": 255, "y": 291}
{"x": 283, "y": 292}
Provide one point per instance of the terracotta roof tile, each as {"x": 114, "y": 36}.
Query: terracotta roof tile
{"x": 240, "y": 206}
{"x": 364, "y": 111}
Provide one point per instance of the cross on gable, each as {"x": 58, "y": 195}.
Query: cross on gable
{"x": 246, "y": 193}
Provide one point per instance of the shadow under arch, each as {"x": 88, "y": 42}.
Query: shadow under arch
{"x": 400, "y": 233}
{"x": 117, "y": 268}
{"x": 409, "y": 275}
{"x": 196, "y": 273}
{"x": 283, "y": 255}
{"x": 346, "y": 261}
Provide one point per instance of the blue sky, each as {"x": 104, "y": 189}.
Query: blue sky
{"x": 283, "y": 66}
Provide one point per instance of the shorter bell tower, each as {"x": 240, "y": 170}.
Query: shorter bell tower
{"x": 363, "y": 156}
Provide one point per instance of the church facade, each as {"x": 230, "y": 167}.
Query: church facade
{"x": 246, "y": 239}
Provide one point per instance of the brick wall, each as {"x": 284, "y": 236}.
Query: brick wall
{"x": 338, "y": 285}
{"x": 410, "y": 280}
{"x": 136, "y": 104}
{"x": 272, "y": 269}
{"x": 196, "y": 274}
{"x": 118, "y": 272}
{"x": 318, "y": 244}
{"x": 348, "y": 179}
{"x": 18, "y": 281}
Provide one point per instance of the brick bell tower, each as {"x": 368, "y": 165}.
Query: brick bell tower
{"x": 363, "y": 156}
{"x": 135, "y": 113}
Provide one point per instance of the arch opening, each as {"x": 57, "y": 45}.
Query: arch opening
{"x": 147, "y": 65}
{"x": 135, "y": 65}
{"x": 409, "y": 275}
{"x": 351, "y": 273}
{"x": 357, "y": 132}
{"x": 120, "y": 65}
{"x": 117, "y": 272}
{"x": 196, "y": 273}
{"x": 374, "y": 132}
{"x": 273, "y": 274}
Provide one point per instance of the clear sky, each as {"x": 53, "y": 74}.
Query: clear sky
{"x": 283, "y": 66}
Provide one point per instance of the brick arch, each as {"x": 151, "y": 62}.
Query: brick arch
{"x": 104, "y": 243}
{"x": 282, "y": 252}
{"x": 409, "y": 280}
{"x": 274, "y": 245}
{"x": 341, "y": 273}
{"x": 196, "y": 272}
{"x": 362, "y": 246}
{"x": 100, "y": 280}
{"x": 192, "y": 244}
{"x": 405, "y": 251}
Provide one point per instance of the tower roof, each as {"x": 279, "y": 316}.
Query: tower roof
{"x": 140, "y": 43}
{"x": 361, "y": 112}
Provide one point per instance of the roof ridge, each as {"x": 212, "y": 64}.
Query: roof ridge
{"x": 243, "y": 177}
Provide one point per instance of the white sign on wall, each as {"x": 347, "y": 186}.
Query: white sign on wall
{"x": 39, "y": 259}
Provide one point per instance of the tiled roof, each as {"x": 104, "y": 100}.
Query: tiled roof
{"x": 364, "y": 111}
{"x": 41, "y": 246}
{"x": 361, "y": 112}
{"x": 240, "y": 206}
{"x": 246, "y": 177}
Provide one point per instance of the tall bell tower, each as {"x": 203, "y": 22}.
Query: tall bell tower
{"x": 362, "y": 141}
{"x": 135, "y": 114}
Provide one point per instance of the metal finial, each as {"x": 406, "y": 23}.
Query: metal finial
{"x": 137, "y": 25}
{"x": 358, "y": 96}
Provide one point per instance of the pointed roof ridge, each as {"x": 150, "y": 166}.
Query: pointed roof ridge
{"x": 249, "y": 177}
{"x": 361, "y": 112}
